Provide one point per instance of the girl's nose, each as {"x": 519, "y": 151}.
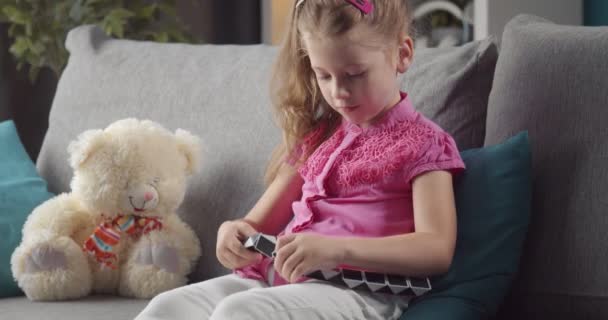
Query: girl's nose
{"x": 340, "y": 91}
{"x": 148, "y": 196}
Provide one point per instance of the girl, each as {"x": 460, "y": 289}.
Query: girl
{"x": 366, "y": 178}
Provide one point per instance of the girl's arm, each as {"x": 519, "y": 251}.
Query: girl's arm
{"x": 427, "y": 251}
{"x": 273, "y": 211}
{"x": 269, "y": 215}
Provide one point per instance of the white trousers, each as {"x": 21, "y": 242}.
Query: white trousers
{"x": 232, "y": 297}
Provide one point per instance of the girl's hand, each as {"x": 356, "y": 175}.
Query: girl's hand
{"x": 301, "y": 254}
{"x": 230, "y": 250}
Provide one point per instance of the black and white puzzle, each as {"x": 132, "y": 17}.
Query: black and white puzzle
{"x": 354, "y": 279}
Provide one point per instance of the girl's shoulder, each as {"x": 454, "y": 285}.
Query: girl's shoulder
{"x": 406, "y": 135}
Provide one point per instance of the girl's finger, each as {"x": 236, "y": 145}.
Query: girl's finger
{"x": 284, "y": 240}
{"x": 237, "y": 248}
{"x": 226, "y": 260}
{"x": 299, "y": 271}
{"x": 291, "y": 264}
{"x": 244, "y": 230}
{"x": 283, "y": 254}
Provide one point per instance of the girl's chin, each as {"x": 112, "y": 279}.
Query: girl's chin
{"x": 356, "y": 121}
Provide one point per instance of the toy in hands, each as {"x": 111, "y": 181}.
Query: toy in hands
{"x": 354, "y": 279}
{"x": 374, "y": 281}
{"x": 262, "y": 243}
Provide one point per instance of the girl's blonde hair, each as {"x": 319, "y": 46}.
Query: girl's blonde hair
{"x": 299, "y": 107}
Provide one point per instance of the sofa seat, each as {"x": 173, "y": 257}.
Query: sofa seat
{"x": 98, "y": 307}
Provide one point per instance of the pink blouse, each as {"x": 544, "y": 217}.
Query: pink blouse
{"x": 358, "y": 182}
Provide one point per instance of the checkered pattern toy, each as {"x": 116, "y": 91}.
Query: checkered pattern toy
{"x": 354, "y": 279}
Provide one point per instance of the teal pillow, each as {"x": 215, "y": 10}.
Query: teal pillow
{"x": 21, "y": 190}
{"x": 493, "y": 197}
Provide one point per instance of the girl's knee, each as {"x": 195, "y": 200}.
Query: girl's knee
{"x": 251, "y": 304}
{"x": 160, "y": 307}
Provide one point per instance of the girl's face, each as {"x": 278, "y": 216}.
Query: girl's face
{"x": 358, "y": 78}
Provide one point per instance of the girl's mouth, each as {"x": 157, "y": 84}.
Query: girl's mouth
{"x": 350, "y": 109}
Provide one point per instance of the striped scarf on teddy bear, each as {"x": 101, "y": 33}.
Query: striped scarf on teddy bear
{"x": 102, "y": 242}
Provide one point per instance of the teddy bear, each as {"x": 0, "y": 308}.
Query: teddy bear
{"x": 117, "y": 230}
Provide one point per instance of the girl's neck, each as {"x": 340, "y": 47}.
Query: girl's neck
{"x": 394, "y": 101}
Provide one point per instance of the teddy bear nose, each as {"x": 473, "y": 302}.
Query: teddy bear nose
{"x": 148, "y": 196}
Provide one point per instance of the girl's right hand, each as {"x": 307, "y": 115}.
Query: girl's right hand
{"x": 230, "y": 250}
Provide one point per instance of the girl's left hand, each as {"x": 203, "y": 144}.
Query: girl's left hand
{"x": 298, "y": 254}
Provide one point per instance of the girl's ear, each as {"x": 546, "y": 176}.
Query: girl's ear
{"x": 405, "y": 54}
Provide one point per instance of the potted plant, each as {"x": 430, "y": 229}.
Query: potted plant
{"x": 37, "y": 28}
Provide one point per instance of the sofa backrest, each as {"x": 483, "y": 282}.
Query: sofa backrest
{"x": 551, "y": 80}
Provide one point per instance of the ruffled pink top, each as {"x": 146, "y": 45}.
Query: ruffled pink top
{"x": 359, "y": 181}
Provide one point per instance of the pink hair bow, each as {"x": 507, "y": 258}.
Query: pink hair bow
{"x": 366, "y": 6}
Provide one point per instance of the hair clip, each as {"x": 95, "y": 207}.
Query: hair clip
{"x": 366, "y": 6}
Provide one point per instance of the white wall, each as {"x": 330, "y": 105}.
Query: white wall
{"x": 492, "y": 15}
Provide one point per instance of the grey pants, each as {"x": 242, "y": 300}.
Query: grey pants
{"x": 233, "y": 297}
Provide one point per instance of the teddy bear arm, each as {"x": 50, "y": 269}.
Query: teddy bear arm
{"x": 186, "y": 240}
{"x": 61, "y": 215}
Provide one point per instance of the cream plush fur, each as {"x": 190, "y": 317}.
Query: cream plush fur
{"x": 130, "y": 164}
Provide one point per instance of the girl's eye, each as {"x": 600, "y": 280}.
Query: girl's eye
{"x": 323, "y": 77}
{"x": 357, "y": 74}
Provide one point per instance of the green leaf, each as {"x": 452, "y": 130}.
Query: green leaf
{"x": 161, "y": 37}
{"x": 177, "y": 35}
{"x": 29, "y": 29}
{"x": 116, "y": 20}
{"x": 20, "y": 46}
{"x": 37, "y": 47}
{"x": 121, "y": 13}
{"x": 118, "y": 29}
{"x": 147, "y": 12}
{"x": 15, "y": 15}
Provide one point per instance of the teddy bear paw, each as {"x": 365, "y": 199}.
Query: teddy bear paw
{"x": 160, "y": 255}
{"x": 45, "y": 258}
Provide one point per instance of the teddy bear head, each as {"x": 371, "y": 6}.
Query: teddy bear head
{"x": 133, "y": 167}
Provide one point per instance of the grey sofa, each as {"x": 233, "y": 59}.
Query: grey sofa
{"x": 550, "y": 80}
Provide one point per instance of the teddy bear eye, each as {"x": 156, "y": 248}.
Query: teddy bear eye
{"x": 156, "y": 180}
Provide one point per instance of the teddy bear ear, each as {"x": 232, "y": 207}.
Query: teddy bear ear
{"x": 84, "y": 146}
{"x": 190, "y": 146}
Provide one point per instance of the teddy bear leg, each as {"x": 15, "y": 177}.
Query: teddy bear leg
{"x": 152, "y": 269}
{"x": 51, "y": 270}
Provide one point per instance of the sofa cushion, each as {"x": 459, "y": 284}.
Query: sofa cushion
{"x": 451, "y": 86}
{"x": 21, "y": 190}
{"x": 493, "y": 205}
{"x": 551, "y": 81}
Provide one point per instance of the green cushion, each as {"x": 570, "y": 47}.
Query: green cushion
{"x": 21, "y": 190}
{"x": 493, "y": 197}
